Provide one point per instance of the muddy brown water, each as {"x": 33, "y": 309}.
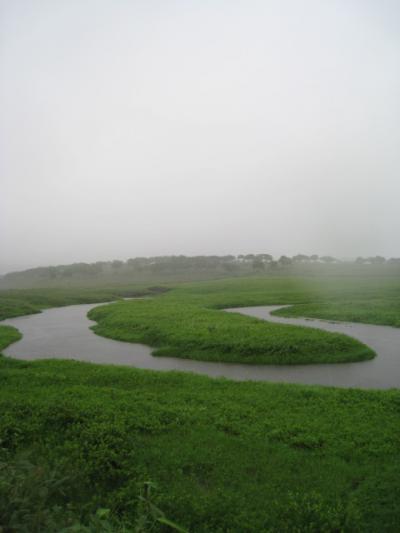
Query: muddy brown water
{"x": 64, "y": 333}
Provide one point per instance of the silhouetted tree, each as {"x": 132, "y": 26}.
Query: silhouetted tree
{"x": 257, "y": 264}
{"x": 117, "y": 264}
{"x": 300, "y": 258}
{"x": 328, "y": 259}
{"x": 267, "y": 258}
{"x": 377, "y": 260}
{"x": 284, "y": 260}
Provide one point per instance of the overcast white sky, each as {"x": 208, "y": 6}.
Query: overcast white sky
{"x": 163, "y": 127}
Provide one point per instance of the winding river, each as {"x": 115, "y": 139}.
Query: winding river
{"x": 64, "y": 333}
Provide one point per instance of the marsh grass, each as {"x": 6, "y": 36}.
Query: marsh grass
{"x": 385, "y": 312}
{"x": 28, "y": 301}
{"x": 80, "y": 442}
{"x": 191, "y": 331}
{"x": 224, "y": 456}
{"x": 8, "y": 335}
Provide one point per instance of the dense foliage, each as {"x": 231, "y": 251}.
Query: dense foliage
{"x": 83, "y": 444}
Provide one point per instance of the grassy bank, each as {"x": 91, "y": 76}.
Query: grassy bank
{"x": 8, "y": 335}
{"x": 80, "y": 444}
{"x": 379, "y": 311}
{"x": 194, "y": 332}
{"x": 27, "y": 301}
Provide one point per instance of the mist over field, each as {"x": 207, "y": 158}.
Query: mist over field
{"x": 155, "y": 128}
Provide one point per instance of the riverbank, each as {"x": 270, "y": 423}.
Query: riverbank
{"x": 64, "y": 333}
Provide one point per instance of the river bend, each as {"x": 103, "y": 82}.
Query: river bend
{"x": 64, "y": 333}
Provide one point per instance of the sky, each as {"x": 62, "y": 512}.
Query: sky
{"x": 140, "y": 128}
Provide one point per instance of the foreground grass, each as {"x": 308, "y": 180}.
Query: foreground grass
{"x": 81, "y": 445}
{"x": 190, "y": 331}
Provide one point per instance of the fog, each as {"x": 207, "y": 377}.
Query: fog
{"x": 133, "y": 128}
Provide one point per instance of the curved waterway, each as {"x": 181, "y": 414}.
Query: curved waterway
{"x": 64, "y": 333}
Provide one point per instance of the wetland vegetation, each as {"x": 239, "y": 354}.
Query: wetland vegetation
{"x": 82, "y": 441}
{"x": 86, "y": 447}
{"x": 194, "y": 332}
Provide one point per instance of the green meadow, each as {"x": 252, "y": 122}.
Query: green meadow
{"x": 92, "y": 448}
{"x": 102, "y": 448}
{"x": 384, "y": 312}
{"x": 17, "y": 302}
{"x": 195, "y": 332}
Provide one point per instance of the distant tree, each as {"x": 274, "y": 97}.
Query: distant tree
{"x": 300, "y": 258}
{"x": 52, "y": 272}
{"x": 201, "y": 261}
{"x": 96, "y": 268}
{"x": 230, "y": 267}
{"x": 377, "y": 260}
{"x": 81, "y": 269}
{"x": 360, "y": 261}
{"x": 258, "y": 264}
{"x": 267, "y": 258}
{"x": 141, "y": 263}
{"x": 314, "y": 257}
{"x": 284, "y": 260}
{"x": 117, "y": 264}
{"x": 328, "y": 259}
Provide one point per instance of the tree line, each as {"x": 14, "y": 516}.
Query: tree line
{"x": 160, "y": 265}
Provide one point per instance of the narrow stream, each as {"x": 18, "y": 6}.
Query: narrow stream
{"x": 64, "y": 333}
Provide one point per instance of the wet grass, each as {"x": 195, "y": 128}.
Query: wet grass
{"x": 8, "y": 335}
{"x": 379, "y": 311}
{"x": 79, "y": 442}
{"x": 195, "y": 332}
{"x": 90, "y": 448}
{"x": 357, "y": 292}
{"x": 17, "y": 302}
